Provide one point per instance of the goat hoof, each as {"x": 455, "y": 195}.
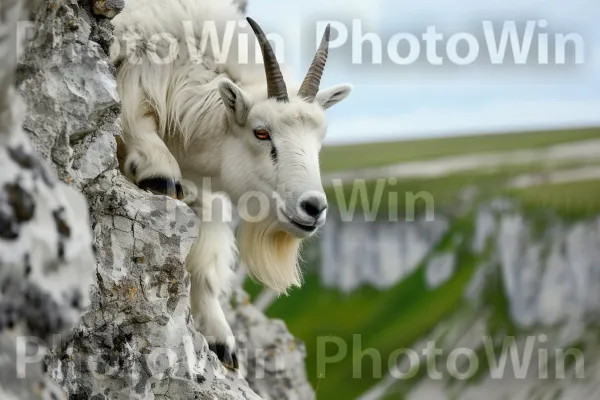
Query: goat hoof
{"x": 227, "y": 356}
{"x": 163, "y": 186}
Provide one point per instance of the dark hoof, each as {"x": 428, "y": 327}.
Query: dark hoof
{"x": 228, "y": 358}
{"x": 165, "y": 186}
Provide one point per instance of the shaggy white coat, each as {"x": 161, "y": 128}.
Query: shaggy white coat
{"x": 189, "y": 115}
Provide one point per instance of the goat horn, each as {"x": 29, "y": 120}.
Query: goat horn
{"x": 275, "y": 84}
{"x": 310, "y": 86}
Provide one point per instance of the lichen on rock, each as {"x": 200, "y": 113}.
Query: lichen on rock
{"x": 137, "y": 341}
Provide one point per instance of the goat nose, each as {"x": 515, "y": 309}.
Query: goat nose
{"x": 314, "y": 206}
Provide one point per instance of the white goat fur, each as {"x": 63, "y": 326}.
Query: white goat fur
{"x": 186, "y": 119}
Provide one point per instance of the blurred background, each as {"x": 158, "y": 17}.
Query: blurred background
{"x": 476, "y": 208}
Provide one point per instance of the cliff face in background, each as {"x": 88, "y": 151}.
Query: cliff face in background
{"x": 504, "y": 272}
{"x": 378, "y": 254}
{"x": 536, "y": 279}
{"x": 135, "y": 339}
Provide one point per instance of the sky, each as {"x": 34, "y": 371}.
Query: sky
{"x": 392, "y": 101}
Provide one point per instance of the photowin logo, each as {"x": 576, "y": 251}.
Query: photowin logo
{"x": 489, "y": 42}
{"x": 496, "y": 43}
{"x": 522, "y": 359}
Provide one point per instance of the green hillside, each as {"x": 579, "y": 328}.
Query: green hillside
{"x": 409, "y": 311}
{"x": 384, "y": 320}
{"x": 339, "y": 158}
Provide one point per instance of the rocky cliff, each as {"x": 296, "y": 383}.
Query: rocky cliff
{"x": 135, "y": 338}
{"x": 46, "y": 256}
{"x": 378, "y": 254}
{"x": 505, "y": 281}
{"x": 535, "y": 287}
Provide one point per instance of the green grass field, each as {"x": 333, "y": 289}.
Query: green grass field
{"x": 409, "y": 311}
{"x": 355, "y": 156}
{"x": 573, "y": 200}
{"x": 385, "y": 321}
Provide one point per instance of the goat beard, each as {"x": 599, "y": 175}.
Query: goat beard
{"x": 271, "y": 255}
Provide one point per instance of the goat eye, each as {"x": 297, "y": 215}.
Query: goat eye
{"x": 262, "y": 134}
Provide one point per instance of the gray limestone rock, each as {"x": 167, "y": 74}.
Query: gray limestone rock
{"x": 68, "y": 84}
{"x": 135, "y": 339}
{"x": 46, "y": 257}
{"x": 272, "y": 357}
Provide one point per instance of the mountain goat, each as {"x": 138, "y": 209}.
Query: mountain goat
{"x": 185, "y": 120}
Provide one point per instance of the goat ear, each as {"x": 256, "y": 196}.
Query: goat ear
{"x": 333, "y": 95}
{"x": 235, "y": 100}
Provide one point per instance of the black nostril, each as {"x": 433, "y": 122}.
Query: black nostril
{"x": 313, "y": 207}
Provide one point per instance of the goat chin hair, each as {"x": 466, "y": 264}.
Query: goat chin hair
{"x": 270, "y": 254}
